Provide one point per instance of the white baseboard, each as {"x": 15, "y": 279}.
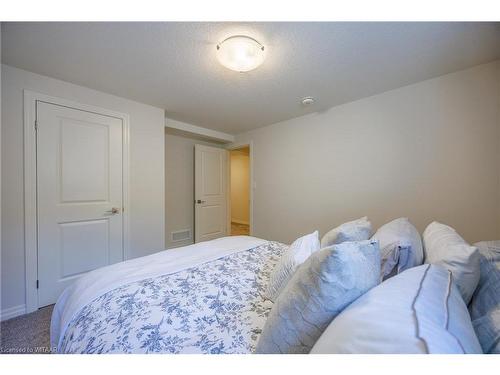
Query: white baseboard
{"x": 239, "y": 222}
{"x": 12, "y": 312}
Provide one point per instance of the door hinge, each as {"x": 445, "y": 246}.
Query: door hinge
{"x": 37, "y": 284}
{"x": 36, "y": 125}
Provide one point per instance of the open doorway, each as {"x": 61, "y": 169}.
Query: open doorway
{"x": 240, "y": 191}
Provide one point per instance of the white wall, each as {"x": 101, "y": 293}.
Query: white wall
{"x": 147, "y": 182}
{"x": 429, "y": 151}
{"x": 179, "y": 185}
{"x": 240, "y": 192}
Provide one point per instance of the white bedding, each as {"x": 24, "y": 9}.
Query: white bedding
{"x": 98, "y": 282}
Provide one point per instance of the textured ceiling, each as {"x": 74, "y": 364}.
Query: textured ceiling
{"x": 173, "y": 65}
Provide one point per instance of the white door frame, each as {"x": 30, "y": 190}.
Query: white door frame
{"x": 235, "y": 146}
{"x": 30, "y": 187}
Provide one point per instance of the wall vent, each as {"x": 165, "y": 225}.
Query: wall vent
{"x": 181, "y": 235}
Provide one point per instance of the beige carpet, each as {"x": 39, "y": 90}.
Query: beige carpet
{"x": 27, "y": 334}
{"x": 239, "y": 229}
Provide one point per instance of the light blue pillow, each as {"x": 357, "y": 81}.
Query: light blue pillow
{"x": 400, "y": 246}
{"x": 444, "y": 246}
{"x": 419, "y": 311}
{"x": 328, "y": 281}
{"x": 298, "y": 252}
{"x": 356, "y": 230}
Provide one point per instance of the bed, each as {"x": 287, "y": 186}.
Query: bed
{"x": 202, "y": 298}
{"x": 206, "y": 298}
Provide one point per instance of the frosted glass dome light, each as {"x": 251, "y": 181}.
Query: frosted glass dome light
{"x": 240, "y": 53}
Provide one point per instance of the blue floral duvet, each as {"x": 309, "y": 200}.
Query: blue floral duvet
{"x": 216, "y": 307}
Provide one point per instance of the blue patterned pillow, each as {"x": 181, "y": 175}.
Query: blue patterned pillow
{"x": 484, "y": 307}
{"x": 318, "y": 291}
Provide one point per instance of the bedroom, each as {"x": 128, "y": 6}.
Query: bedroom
{"x": 369, "y": 155}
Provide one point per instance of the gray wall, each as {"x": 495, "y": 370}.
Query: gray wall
{"x": 147, "y": 182}
{"x": 179, "y": 184}
{"x": 1, "y": 261}
{"x": 428, "y": 151}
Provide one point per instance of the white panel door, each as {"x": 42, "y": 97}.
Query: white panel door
{"x": 79, "y": 195}
{"x": 210, "y": 193}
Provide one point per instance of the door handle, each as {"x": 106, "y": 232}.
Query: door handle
{"x": 113, "y": 211}
{"x": 199, "y": 201}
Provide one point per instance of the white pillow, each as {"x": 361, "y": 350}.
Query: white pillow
{"x": 444, "y": 246}
{"x": 400, "y": 246}
{"x": 294, "y": 256}
{"x": 356, "y": 230}
{"x": 321, "y": 288}
{"x": 418, "y": 311}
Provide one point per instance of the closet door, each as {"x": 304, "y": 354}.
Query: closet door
{"x": 79, "y": 195}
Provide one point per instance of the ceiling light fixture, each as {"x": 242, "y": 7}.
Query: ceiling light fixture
{"x": 240, "y": 53}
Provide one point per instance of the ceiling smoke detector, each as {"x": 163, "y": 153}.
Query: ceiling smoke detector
{"x": 308, "y": 100}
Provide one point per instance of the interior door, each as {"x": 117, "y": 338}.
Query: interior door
{"x": 79, "y": 195}
{"x": 210, "y": 193}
